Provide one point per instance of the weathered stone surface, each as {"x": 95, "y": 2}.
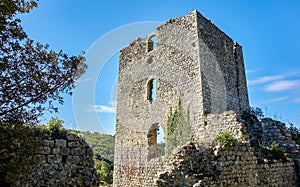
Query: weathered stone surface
{"x": 193, "y": 62}
{"x": 56, "y": 165}
{"x": 56, "y": 150}
{"x": 71, "y": 136}
{"x": 60, "y": 143}
{"x": 77, "y": 151}
{"x": 73, "y": 159}
{"x": 45, "y": 150}
{"x": 49, "y": 143}
{"x": 200, "y": 67}
{"x": 195, "y": 166}
{"x": 73, "y": 144}
{"x": 54, "y": 159}
{"x": 65, "y": 151}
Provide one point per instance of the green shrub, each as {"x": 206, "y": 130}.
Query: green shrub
{"x": 243, "y": 137}
{"x": 226, "y": 139}
{"x": 54, "y": 124}
{"x": 276, "y": 152}
{"x": 53, "y": 129}
{"x": 105, "y": 170}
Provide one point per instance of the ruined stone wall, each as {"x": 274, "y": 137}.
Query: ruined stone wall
{"x": 240, "y": 166}
{"x": 269, "y": 131}
{"x": 215, "y": 123}
{"x": 220, "y": 166}
{"x": 175, "y": 67}
{"x": 275, "y": 131}
{"x": 194, "y": 62}
{"x": 64, "y": 161}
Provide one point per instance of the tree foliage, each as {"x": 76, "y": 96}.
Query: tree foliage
{"x": 105, "y": 170}
{"x": 102, "y": 144}
{"x": 32, "y": 75}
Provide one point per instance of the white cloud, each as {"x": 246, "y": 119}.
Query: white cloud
{"x": 282, "y": 85}
{"x": 297, "y": 100}
{"x": 265, "y": 79}
{"x": 276, "y": 99}
{"x": 271, "y": 78}
{"x": 103, "y": 108}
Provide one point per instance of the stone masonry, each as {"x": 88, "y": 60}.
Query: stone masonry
{"x": 64, "y": 161}
{"x": 193, "y": 61}
{"x": 236, "y": 166}
{"x": 191, "y": 66}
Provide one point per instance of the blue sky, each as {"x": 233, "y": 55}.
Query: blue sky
{"x": 268, "y": 31}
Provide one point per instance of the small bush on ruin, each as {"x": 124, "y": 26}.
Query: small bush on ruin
{"x": 226, "y": 139}
{"x": 276, "y": 152}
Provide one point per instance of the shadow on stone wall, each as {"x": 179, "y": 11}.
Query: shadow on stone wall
{"x": 39, "y": 156}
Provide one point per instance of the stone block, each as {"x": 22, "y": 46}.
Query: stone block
{"x": 77, "y": 151}
{"x": 71, "y": 136}
{"x": 41, "y": 158}
{"x": 55, "y": 150}
{"x": 65, "y": 151}
{"x": 73, "y": 159}
{"x": 44, "y": 150}
{"x": 60, "y": 143}
{"x": 52, "y": 159}
{"x": 49, "y": 143}
{"x": 73, "y": 144}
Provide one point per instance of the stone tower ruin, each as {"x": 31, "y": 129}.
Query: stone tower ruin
{"x": 187, "y": 69}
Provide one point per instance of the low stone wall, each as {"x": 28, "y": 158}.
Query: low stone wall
{"x": 137, "y": 171}
{"x": 267, "y": 131}
{"x": 275, "y": 131}
{"x": 216, "y": 123}
{"x": 64, "y": 161}
{"x": 220, "y": 166}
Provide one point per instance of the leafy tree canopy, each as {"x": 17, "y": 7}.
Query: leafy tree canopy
{"x": 32, "y": 75}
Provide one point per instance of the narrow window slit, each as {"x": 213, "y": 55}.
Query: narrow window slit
{"x": 151, "y": 95}
{"x": 152, "y": 43}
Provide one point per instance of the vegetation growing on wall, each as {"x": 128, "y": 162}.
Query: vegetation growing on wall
{"x": 104, "y": 169}
{"x": 226, "y": 139}
{"x": 274, "y": 151}
{"x": 102, "y": 144}
{"x": 178, "y": 129}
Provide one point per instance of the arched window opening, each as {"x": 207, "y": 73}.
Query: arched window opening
{"x": 161, "y": 143}
{"x": 152, "y": 43}
{"x": 151, "y": 90}
{"x": 156, "y": 142}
